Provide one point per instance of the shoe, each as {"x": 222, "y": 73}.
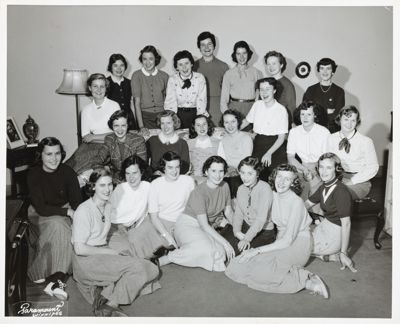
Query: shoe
{"x": 318, "y": 286}
{"x": 108, "y": 311}
{"x": 39, "y": 281}
{"x": 56, "y": 289}
{"x": 162, "y": 250}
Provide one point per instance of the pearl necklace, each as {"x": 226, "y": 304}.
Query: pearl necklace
{"x": 325, "y": 91}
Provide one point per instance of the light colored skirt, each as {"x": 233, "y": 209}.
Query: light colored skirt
{"x": 141, "y": 241}
{"x": 327, "y": 238}
{"x": 279, "y": 271}
{"x": 359, "y": 190}
{"x": 214, "y": 109}
{"x": 123, "y": 278}
{"x": 196, "y": 248}
{"x": 53, "y": 248}
{"x": 242, "y": 107}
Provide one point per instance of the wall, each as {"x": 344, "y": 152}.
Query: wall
{"x": 42, "y": 40}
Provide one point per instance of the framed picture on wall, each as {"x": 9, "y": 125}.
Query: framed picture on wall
{"x": 14, "y": 136}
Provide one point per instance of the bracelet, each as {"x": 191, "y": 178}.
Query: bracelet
{"x": 343, "y": 253}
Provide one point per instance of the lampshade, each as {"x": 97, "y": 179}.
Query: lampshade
{"x": 74, "y": 82}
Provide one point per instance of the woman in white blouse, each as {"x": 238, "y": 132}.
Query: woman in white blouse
{"x": 356, "y": 152}
{"x": 186, "y": 90}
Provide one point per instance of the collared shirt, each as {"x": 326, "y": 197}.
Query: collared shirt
{"x": 146, "y": 73}
{"x": 309, "y": 146}
{"x": 254, "y": 207}
{"x": 194, "y": 96}
{"x": 239, "y": 84}
{"x": 268, "y": 120}
{"x": 94, "y": 118}
{"x": 150, "y": 89}
{"x": 361, "y": 158}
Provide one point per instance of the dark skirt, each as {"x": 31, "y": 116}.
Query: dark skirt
{"x": 261, "y": 145}
{"x": 263, "y": 237}
{"x": 186, "y": 115}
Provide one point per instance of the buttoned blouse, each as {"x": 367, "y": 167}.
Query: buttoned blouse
{"x": 239, "y": 84}
{"x": 194, "y": 96}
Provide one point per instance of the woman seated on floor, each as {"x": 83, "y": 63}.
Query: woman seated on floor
{"x": 252, "y": 226}
{"x": 186, "y": 90}
{"x": 208, "y": 208}
{"x": 356, "y": 152}
{"x": 94, "y": 126}
{"x": 270, "y": 123}
{"x": 332, "y": 235}
{"x": 55, "y": 194}
{"x": 201, "y": 144}
{"x": 129, "y": 216}
{"x": 119, "y": 145}
{"x": 308, "y": 142}
{"x": 106, "y": 277}
{"x": 235, "y": 145}
{"x": 168, "y": 140}
{"x": 278, "y": 267}
{"x": 168, "y": 196}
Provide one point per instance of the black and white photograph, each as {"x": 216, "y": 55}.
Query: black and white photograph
{"x": 201, "y": 161}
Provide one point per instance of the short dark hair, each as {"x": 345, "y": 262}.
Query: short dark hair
{"x": 239, "y": 117}
{"x": 339, "y": 171}
{"x": 117, "y": 115}
{"x": 181, "y": 55}
{"x": 168, "y": 157}
{"x": 49, "y": 141}
{"x": 347, "y": 111}
{"x": 168, "y": 113}
{"x": 114, "y": 58}
{"x": 214, "y": 159}
{"x": 204, "y": 35}
{"x": 241, "y": 44}
{"x": 327, "y": 61}
{"x": 150, "y": 49}
{"x": 296, "y": 184}
{"x": 94, "y": 177}
{"x": 133, "y": 160}
{"x": 319, "y": 112}
{"x": 282, "y": 59}
{"x": 253, "y": 162}
{"x": 210, "y": 125}
{"x": 270, "y": 80}
{"x": 94, "y": 77}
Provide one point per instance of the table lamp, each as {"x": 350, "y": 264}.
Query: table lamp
{"x": 74, "y": 83}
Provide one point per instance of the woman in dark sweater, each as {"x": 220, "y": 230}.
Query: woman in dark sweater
{"x": 55, "y": 194}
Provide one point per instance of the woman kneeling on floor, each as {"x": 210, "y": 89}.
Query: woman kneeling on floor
{"x": 278, "y": 267}
{"x": 199, "y": 243}
{"x": 332, "y": 234}
{"x": 55, "y": 194}
{"x": 107, "y": 278}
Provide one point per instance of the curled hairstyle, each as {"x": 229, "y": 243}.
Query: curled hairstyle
{"x": 296, "y": 184}
{"x": 214, "y": 159}
{"x": 327, "y": 61}
{"x": 319, "y": 113}
{"x": 348, "y": 111}
{"x": 210, "y": 126}
{"x": 114, "y": 58}
{"x": 204, "y": 35}
{"x": 150, "y": 49}
{"x": 281, "y": 58}
{"x": 168, "y": 157}
{"x": 241, "y": 44}
{"x": 133, "y": 160}
{"x": 168, "y": 113}
{"x": 181, "y": 55}
{"x": 94, "y": 77}
{"x": 253, "y": 162}
{"x": 234, "y": 113}
{"x": 49, "y": 141}
{"x": 94, "y": 177}
{"x": 117, "y": 115}
{"x": 339, "y": 171}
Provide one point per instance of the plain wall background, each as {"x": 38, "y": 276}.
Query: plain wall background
{"x": 43, "y": 40}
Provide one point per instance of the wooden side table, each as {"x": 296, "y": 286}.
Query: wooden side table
{"x": 19, "y": 157}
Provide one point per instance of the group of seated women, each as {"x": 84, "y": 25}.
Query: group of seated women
{"x": 230, "y": 199}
